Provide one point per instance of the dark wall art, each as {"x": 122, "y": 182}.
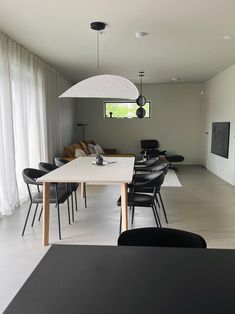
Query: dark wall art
{"x": 220, "y": 138}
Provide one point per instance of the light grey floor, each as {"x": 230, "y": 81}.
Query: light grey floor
{"x": 204, "y": 204}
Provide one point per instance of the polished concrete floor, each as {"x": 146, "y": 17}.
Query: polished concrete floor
{"x": 204, "y": 204}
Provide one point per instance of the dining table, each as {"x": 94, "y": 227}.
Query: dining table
{"x": 87, "y": 279}
{"x": 114, "y": 171}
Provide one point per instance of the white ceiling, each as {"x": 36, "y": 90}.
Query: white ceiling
{"x": 184, "y": 36}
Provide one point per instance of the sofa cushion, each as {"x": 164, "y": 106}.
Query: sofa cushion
{"x": 92, "y": 149}
{"x": 99, "y": 149}
{"x": 84, "y": 146}
{"x": 79, "y": 153}
{"x": 70, "y": 150}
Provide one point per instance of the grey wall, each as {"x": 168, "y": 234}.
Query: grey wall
{"x": 175, "y": 121}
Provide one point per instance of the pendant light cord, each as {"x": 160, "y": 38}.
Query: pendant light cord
{"x": 98, "y": 50}
{"x": 141, "y": 84}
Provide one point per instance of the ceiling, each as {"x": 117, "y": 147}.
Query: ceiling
{"x": 184, "y": 36}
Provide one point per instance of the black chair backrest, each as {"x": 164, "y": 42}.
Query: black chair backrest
{"x": 149, "y": 144}
{"x": 161, "y": 237}
{"x": 151, "y": 161}
{"x": 60, "y": 161}
{"x": 45, "y": 166}
{"x": 30, "y": 175}
{"x": 148, "y": 162}
{"x": 151, "y": 180}
{"x": 164, "y": 166}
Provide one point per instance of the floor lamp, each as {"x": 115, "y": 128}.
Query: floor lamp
{"x": 83, "y": 125}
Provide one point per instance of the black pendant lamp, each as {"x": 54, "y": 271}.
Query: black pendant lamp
{"x": 141, "y": 100}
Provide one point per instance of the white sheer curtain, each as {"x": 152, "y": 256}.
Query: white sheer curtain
{"x": 8, "y": 187}
{"x": 29, "y": 130}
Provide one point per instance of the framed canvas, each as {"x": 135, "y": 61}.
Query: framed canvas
{"x": 220, "y": 138}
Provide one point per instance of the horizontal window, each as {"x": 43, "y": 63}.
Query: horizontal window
{"x": 123, "y": 109}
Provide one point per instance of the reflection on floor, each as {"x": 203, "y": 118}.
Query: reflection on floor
{"x": 204, "y": 204}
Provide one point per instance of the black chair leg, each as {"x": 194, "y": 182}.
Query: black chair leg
{"x": 35, "y": 212}
{"x": 163, "y": 207}
{"x": 72, "y": 207}
{"x": 157, "y": 216}
{"x": 132, "y": 214}
{"x": 76, "y": 202}
{"x": 58, "y": 212}
{"x": 40, "y": 214}
{"x": 85, "y": 200}
{"x": 26, "y": 220}
{"x": 158, "y": 204}
{"x": 68, "y": 211}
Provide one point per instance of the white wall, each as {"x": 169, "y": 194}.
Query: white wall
{"x": 220, "y": 107}
{"x": 175, "y": 121}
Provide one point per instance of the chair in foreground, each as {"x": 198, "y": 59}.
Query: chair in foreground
{"x": 61, "y": 162}
{"x": 57, "y": 196}
{"x": 161, "y": 237}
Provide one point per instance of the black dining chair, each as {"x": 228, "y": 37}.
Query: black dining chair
{"x": 57, "y": 195}
{"x": 143, "y": 200}
{"x": 61, "y": 162}
{"x": 141, "y": 176}
{"x": 47, "y": 167}
{"x": 159, "y": 165}
{"x": 161, "y": 237}
{"x": 147, "y": 162}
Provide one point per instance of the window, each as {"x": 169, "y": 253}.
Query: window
{"x": 124, "y": 109}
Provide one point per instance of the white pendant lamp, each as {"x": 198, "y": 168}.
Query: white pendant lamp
{"x": 102, "y": 86}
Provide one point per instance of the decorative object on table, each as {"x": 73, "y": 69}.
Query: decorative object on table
{"x": 99, "y": 160}
{"x": 220, "y": 138}
{"x": 141, "y": 100}
{"x": 83, "y": 125}
{"x": 102, "y": 86}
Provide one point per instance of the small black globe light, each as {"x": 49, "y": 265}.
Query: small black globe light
{"x": 141, "y": 101}
{"x": 140, "y": 112}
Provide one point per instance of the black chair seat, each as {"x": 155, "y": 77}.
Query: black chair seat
{"x": 144, "y": 190}
{"x": 62, "y": 196}
{"x": 138, "y": 200}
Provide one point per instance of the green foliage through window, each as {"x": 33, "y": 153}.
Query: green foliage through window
{"x": 124, "y": 109}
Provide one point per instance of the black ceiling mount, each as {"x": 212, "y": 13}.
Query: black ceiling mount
{"x": 98, "y": 26}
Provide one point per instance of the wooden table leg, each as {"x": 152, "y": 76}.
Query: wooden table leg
{"x": 46, "y": 207}
{"x": 124, "y": 206}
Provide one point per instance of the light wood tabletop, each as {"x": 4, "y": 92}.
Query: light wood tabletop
{"x": 117, "y": 170}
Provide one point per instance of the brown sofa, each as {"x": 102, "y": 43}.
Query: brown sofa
{"x": 69, "y": 151}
